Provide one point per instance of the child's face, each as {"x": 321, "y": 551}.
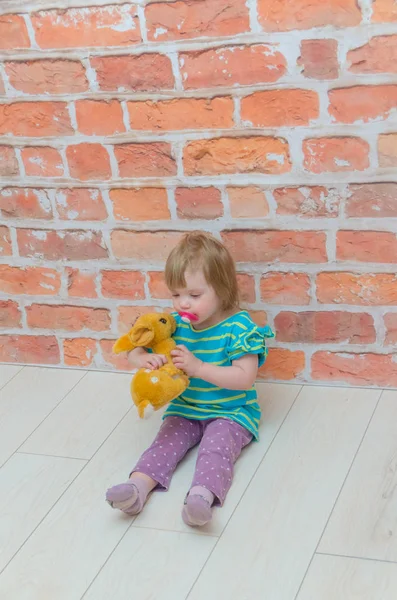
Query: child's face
{"x": 199, "y": 298}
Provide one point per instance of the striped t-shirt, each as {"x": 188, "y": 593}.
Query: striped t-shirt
{"x": 220, "y": 345}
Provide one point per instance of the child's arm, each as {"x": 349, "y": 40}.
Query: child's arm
{"x": 240, "y": 376}
{"x": 140, "y": 358}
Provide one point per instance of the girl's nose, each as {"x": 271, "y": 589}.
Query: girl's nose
{"x": 185, "y": 304}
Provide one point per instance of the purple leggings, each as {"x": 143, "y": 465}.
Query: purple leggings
{"x": 221, "y": 443}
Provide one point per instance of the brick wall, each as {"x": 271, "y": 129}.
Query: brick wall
{"x": 270, "y": 123}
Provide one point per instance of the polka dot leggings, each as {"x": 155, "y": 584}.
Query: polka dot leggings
{"x": 221, "y": 443}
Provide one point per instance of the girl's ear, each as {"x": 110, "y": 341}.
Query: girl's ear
{"x": 123, "y": 344}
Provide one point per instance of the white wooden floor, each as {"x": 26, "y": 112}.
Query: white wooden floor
{"x": 312, "y": 514}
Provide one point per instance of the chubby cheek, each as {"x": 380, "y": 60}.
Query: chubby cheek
{"x": 204, "y": 309}
{"x": 176, "y": 305}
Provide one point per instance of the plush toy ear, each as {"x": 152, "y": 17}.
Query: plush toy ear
{"x": 123, "y": 344}
{"x": 141, "y": 336}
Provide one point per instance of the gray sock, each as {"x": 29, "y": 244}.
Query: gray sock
{"x": 197, "y": 508}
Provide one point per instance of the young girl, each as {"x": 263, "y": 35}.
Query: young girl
{"x": 220, "y": 352}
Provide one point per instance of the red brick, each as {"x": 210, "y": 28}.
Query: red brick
{"x": 307, "y": 202}
{"x": 246, "y": 287}
{"x": 285, "y": 288}
{"x": 379, "y": 55}
{"x": 387, "y": 150}
{"x": 282, "y": 246}
{"x": 47, "y": 76}
{"x": 8, "y": 162}
{"x": 352, "y": 288}
{"x": 377, "y": 200}
{"x": 127, "y": 315}
{"x": 319, "y": 59}
{"x": 325, "y": 327}
{"x": 145, "y": 160}
{"x": 67, "y": 318}
{"x": 81, "y": 284}
{"x": 118, "y": 361}
{"x": 355, "y": 369}
{"x": 144, "y": 245}
{"x": 366, "y": 246}
{"x": 10, "y": 315}
{"x": 25, "y": 203}
{"x": 280, "y": 108}
{"x": 35, "y": 281}
{"x": 61, "y": 245}
{"x": 247, "y": 202}
{"x": 96, "y": 26}
{"x": 157, "y": 285}
{"x": 88, "y": 161}
{"x": 5, "y": 242}
{"x": 258, "y": 316}
{"x": 80, "y": 204}
{"x": 196, "y": 18}
{"x": 29, "y": 349}
{"x": 384, "y": 11}
{"x": 362, "y": 103}
{"x": 142, "y": 73}
{"x": 237, "y": 155}
{"x": 186, "y": 113}
{"x": 99, "y": 117}
{"x": 13, "y": 32}
{"x": 280, "y": 15}
{"x": 123, "y": 284}
{"x": 79, "y": 352}
{"x": 140, "y": 204}
{"x": 335, "y": 154}
{"x": 282, "y": 364}
{"x": 391, "y": 328}
{"x": 42, "y": 161}
{"x": 390, "y": 320}
{"x": 35, "y": 119}
{"x": 198, "y": 203}
{"x": 232, "y": 65}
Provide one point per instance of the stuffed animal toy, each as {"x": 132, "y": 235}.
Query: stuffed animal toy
{"x": 158, "y": 386}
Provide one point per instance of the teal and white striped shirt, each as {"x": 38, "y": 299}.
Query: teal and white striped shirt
{"x": 220, "y": 345}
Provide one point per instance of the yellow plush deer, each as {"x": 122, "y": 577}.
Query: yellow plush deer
{"x": 159, "y": 386}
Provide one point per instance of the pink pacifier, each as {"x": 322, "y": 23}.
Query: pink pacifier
{"x": 188, "y": 317}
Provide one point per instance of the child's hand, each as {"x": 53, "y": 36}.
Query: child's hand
{"x": 185, "y": 360}
{"x": 151, "y": 361}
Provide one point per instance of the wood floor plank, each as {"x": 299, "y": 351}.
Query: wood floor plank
{"x": 340, "y": 578}
{"x": 29, "y": 487}
{"x": 7, "y": 372}
{"x": 273, "y": 533}
{"x": 80, "y": 423}
{"x": 364, "y": 522}
{"x": 81, "y": 531}
{"x": 164, "y": 510}
{"x": 27, "y": 399}
{"x": 152, "y": 565}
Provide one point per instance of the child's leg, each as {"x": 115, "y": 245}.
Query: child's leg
{"x": 220, "y": 447}
{"x": 156, "y": 465}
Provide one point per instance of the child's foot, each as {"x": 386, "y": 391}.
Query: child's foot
{"x": 197, "y": 508}
{"x": 130, "y": 496}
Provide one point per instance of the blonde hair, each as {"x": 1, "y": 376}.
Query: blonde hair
{"x": 199, "y": 250}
